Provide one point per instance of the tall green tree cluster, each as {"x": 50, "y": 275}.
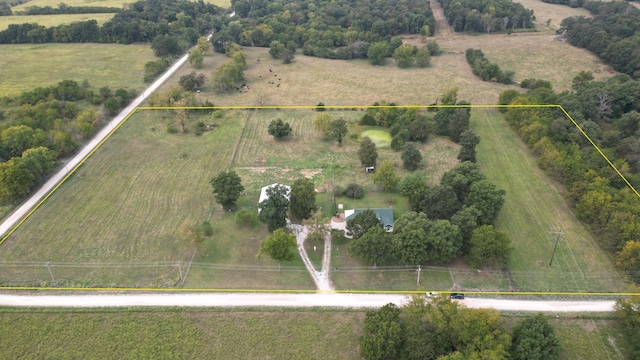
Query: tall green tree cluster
{"x": 141, "y": 21}
{"x": 485, "y": 70}
{"x": 329, "y": 29}
{"x": 486, "y": 16}
{"x": 612, "y": 33}
{"x": 442, "y": 329}
{"x": 226, "y": 75}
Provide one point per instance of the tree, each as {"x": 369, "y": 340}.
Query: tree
{"x": 204, "y": 45}
{"x": 440, "y": 202}
{"x": 489, "y": 248}
{"x": 468, "y": 140}
{"x": 487, "y": 198}
{"x": 276, "y": 49}
{"x": 449, "y": 95}
{"x": 461, "y": 178}
{"x": 278, "y": 246}
{"x": 195, "y": 58}
{"x": 15, "y": 179}
{"x": 534, "y": 339}
{"x": 385, "y": 176}
{"x": 628, "y": 315}
{"x": 362, "y": 222}
{"x": 404, "y": 56}
{"x": 112, "y": 105}
{"x": 367, "y": 152}
{"x": 458, "y": 123}
{"x": 189, "y": 234}
{"x": 227, "y": 187}
{"x": 628, "y": 259}
{"x": 39, "y": 161}
{"x": 273, "y": 210}
{"x": 414, "y": 186}
{"x": 423, "y": 57}
{"x": 166, "y": 45}
{"x": 374, "y": 247}
{"x": 279, "y": 129}
{"x": 192, "y": 81}
{"x": 245, "y": 218}
{"x": 466, "y": 220}
{"x": 377, "y": 53}
{"x": 434, "y": 48}
{"x": 226, "y": 75}
{"x": 322, "y": 124}
{"x": 382, "y": 334}
{"x": 15, "y": 140}
{"x": 418, "y": 240}
{"x": 303, "y": 198}
{"x": 287, "y": 56}
{"x": 411, "y": 157}
{"x": 318, "y": 228}
{"x": 339, "y": 129}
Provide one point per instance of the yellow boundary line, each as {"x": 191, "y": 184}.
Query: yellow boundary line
{"x": 296, "y": 291}
{"x": 330, "y": 107}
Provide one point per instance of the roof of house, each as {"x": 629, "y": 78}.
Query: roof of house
{"x": 385, "y": 215}
{"x": 264, "y": 196}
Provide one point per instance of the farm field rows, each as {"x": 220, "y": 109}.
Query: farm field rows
{"x": 52, "y": 20}
{"x": 197, "y": 333}
{"x": 22, "y": 67}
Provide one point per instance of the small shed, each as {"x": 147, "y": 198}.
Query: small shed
{"x": 264, "y": 196}
{"x": 385, "y": 215}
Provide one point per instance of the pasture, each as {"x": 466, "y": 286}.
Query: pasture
{"x": 181, "y": 333}
{"x": 26, "y": 66}
{"x": 52, "y": 20}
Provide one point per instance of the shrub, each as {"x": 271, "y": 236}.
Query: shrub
{"x": 245, "y": 218}
{"x": 205, "y": 228}
{"x": 337, "y": 237}
{"x": 354, "y": 191}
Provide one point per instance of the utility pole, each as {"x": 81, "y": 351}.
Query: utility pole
{"x": 418, "y": 281}
{"x": 558, "y": 233}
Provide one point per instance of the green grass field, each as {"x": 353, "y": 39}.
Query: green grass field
{"x": 534, "y": 208}
{"x": 180, "y": 333}
{"x": 26, "y": 66}
{"x": 238, "y": 333}
{"x": 52, "y": 20}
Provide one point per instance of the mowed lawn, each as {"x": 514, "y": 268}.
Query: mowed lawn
{"x": 533, "y": 212}
{"x": 180, "y": 333}
{"x": 26, "y": 66}
{"x": 52, "y": 20}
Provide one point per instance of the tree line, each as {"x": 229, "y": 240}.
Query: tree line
{"x": 67, "y": 9}
{"x": 44, "y": 125}
{"x": 438, "y": 328}
{"x": 482, "y": 16}
{"x": 608, "y": 113}
{"x": 328, "y": 29}
{"x": 612, "y": 34}
{"x": 485, "y": 70}
{"x": 184, "y": 21}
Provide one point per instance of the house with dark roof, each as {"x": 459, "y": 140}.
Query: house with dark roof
{"x": 385, "y": 215}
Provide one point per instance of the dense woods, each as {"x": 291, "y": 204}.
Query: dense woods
{"x": 45, "y": 125}
{"x": 608, "y": 113}
{"x": 613, "y": 34}
{"x": 481, "y": 16}
{"x": 181, "y": 20}
{"x": 327, "y": 29}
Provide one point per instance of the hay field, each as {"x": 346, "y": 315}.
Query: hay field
{"x": 52, "y": 20}
{"x": 23, "y": 67}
